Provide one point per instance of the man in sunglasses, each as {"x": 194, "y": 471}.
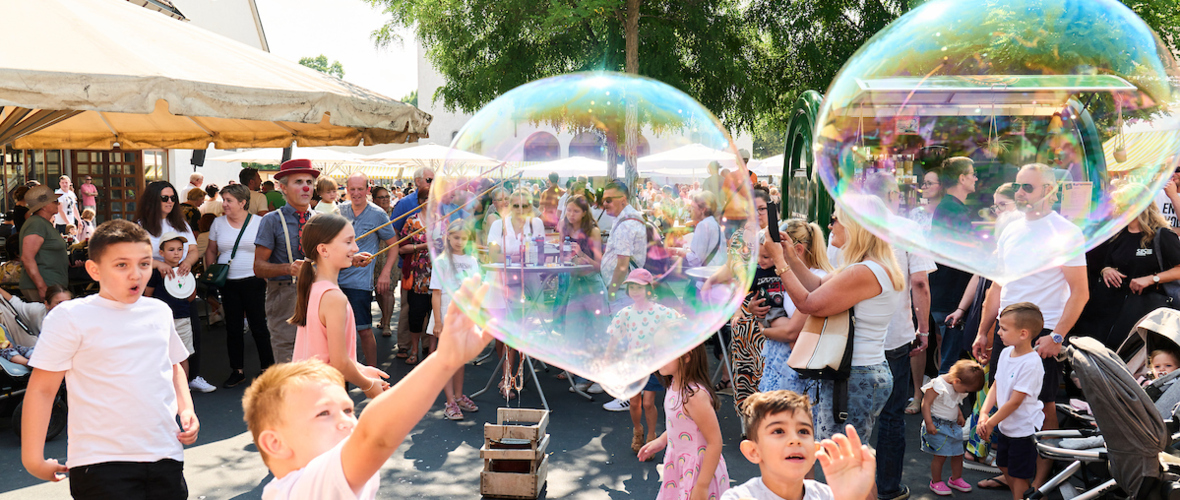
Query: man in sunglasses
{"x": 627, "y": 243}
{"x": 423, "y": 178}
{"x": 1060, "y": 292}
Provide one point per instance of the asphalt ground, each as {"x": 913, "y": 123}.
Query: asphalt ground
{"x": 590, "y": 454}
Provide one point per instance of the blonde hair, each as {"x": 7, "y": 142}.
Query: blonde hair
{"x": 262, "y": 404}
{"x": 812, "y": 237}
{"x": 1150, "y": 222}
{"x": 861, "y": 245}
{"x": 324, "y": 184}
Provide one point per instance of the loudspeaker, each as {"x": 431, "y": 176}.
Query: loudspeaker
{"x": 286, "y": 154}
{"x": 198, "y": 158}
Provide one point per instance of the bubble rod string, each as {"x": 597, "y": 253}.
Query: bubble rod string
{"x": 448, "y": 214}
{"x": 423, "y": 204}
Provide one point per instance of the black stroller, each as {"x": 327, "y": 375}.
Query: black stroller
{"x": 14, "y": 380}
{"x": 1134, "y": 437}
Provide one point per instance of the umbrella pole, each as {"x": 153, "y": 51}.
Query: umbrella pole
{"x": 486, "y": 191}
{"x": 423, "y": 204}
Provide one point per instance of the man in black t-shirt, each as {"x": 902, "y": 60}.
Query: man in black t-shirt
{"x": 951, "y": 217}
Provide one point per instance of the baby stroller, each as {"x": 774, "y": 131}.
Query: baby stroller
{"x": 14, "y": 379}
{"x": 1134, "y": 435}
{"x": 1159, "y": 329}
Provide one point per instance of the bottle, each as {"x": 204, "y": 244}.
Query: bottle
{"x": 567, "y": 251}
{"x": 539, "y": 248}
{"x": 531, "y": 253}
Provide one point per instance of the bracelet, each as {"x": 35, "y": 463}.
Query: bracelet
{"x": 923, "y": 334}
{"x": 371, "y": 385}
{"x": 960, "y": 309}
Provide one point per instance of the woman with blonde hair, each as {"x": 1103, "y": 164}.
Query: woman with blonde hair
{"x": 1133, "y": 273}
{"x": 868, "y": 282}
{"x": 506, "y": 237}
{"x": 808, "y": 240}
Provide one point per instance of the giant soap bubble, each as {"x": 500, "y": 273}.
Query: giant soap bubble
{"x": 548, "y": 295}
{"x": 1082, "y": 88}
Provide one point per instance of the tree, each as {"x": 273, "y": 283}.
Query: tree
{"x": 411, "y": 98}
{"x": 485, "y": 48}
{"x": 320, "y": 63}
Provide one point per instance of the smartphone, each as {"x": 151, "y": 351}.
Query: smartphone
{"x": 772, "y": 224}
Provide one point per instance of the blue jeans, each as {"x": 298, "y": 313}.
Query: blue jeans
{"x": 868, "y": 389}
{"x": 891, "y": 425}
{"x": 952, "y": 342}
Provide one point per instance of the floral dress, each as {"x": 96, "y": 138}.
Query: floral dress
{"x": 684, "y": 453}
{"x": 415, "y": 266}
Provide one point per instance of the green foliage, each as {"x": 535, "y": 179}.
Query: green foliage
{"x": 320, "y": 63}
{"x": 411, "y": 98}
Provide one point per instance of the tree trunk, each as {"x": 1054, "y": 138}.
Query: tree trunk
{"x": 630, "y": 123}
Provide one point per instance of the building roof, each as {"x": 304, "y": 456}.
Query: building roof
{"x": 165, "y": 7}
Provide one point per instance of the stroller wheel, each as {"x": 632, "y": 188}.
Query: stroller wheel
{"x": 57, "y": 418}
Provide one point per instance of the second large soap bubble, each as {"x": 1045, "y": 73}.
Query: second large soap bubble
{"x": 938, "y": 114}
{"x": 524, "y": 200}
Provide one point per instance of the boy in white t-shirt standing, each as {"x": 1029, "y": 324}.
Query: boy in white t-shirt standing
{"x": 1018, "y": 381}
{"x": 120, "y": 357}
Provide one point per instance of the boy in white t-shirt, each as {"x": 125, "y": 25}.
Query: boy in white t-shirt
{"x": 306, "y": 429}
{"x": 1018, "y": 381}
{"x": 120, "y": 357}
{"x": 782, "y": 442}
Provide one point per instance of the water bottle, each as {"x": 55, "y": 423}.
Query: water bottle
{"x": 532, "y": 252}
{"x": 567, "y": 251}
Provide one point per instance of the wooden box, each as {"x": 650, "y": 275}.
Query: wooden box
{"x": 515, "y": 463}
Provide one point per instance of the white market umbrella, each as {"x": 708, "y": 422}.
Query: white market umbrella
{"x": 427, "y": 153}
{"x": 318, "y": 156}
{"x": 768, "y": 166}
{"x": 689, "y": 160}
{"x": 573, "y": 166}
{"x": 90, "y": 74}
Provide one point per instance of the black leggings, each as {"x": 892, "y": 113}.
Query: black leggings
{"x": 420, "y": 309}
{"x": 246, "y": 295}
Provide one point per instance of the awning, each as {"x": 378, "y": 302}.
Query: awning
{"x": 691, "y": 159}
{"x": 142, "y": 80}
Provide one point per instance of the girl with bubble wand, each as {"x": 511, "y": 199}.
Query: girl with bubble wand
{"x": 453, "y": 265}
{"x": 327, "y": 330}
{"x": 690, "y": 412}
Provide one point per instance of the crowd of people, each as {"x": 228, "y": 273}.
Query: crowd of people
{"x": 304, "y": 267}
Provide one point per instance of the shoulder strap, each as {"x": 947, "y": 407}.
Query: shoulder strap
{"x": 240, "y": 233}
{"x": 1155, "y": 247}
{"x": 286, "y": 236}
{"x": 715, "y": 248}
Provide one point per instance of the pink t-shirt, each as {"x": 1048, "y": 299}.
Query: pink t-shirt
{"x": 311, "y": 341}
{"x": 89, "y": 191}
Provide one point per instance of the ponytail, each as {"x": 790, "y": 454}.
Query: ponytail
{"x": 303, "y": 292}
{"x": 812, "y": 238}
{"x": 819, "y": 250}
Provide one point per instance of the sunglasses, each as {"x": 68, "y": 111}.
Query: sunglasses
{"x": 1028, "y": 188}
{"x": 518, "y": 206}
{"x": 834, "y": 220}
{"x": 429, "y": 180}
{"x": 166, "y": 198}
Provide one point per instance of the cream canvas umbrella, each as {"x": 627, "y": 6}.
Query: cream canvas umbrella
{"x": 93, "y": 74}
{"x": 688, "y": 160}
{"x": 566, "y": 167}
{"x": 431, "y": 155}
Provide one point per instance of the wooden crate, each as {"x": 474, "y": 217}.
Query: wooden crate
{"x": 515, "y": 463}
{"x": 512, "y": 484}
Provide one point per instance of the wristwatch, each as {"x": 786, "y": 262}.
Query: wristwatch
{"x": 1057, "y": 338}
{"x": 1155, "y": 278}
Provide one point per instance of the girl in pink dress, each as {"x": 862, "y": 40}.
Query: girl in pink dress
{"x": 327, "y": 330}
{"x": 693, "y": 466}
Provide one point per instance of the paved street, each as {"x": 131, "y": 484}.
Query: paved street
{"x": 590, "y": 448}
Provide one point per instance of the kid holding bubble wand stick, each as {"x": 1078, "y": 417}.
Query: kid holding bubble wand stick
{"x": 327, "y": 330}
{"x": 454, "y": 265}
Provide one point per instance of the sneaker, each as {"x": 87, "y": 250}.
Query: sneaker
{"x": 959, "y": 485}
{"x": 594, "y": 389}
{"x": 940, "y": 488}
{"x": 902, "y": 494}
{"x": 466, "y": 404}
{"x": 200, "y": 385}
{"x": 618, "y": 405}
{"x": 234, "y": 379}
{"x": 452, "y": 412}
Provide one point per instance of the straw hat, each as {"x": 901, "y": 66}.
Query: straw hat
{"x": 38, "y": 197}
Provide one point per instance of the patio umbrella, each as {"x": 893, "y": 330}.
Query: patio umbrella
{"x": 566, "y": 167}
{"x": 93, "y": 74}
{"x": 768, "y": 166}
{"x": 273, "y": 156}
{"x": 427, "y": 154}
{"x": 689, "y": 160}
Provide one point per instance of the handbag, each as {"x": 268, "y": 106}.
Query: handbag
{"x": 823, "y": 351}
{"x": 1171, "y": 288}
{"x": 216, "y": 274}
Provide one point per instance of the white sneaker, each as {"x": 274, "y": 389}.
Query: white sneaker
{"x": 617, "y": 405}
{"x": 200, "y": 385}
{"x": 594, "y": 389}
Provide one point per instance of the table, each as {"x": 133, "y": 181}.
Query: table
{"x": 537, "y": 270}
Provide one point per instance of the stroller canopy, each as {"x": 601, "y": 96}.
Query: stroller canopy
{"x": 1133, "y": 429}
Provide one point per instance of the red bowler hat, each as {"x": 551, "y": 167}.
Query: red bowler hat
{"x": 299, "y": 166}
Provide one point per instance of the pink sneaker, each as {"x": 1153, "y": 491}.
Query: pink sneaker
{"x": 940, "y": 488}
{"x": 959, "y": 485}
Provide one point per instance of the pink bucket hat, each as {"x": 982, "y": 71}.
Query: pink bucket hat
{"x": 640, "y": 277}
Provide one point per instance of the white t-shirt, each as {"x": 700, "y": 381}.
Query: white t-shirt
{"x": 118, "y": 361}
{"x": 184, "y": 191}
{"x": 901, "y": 326}
{"x": 225, "y": 235}
{"x": 946, "y": 404}
{"x": 165, "y": 227}
{"x": 465, "y": 265}
{"x": 326, "y": 207}
{"x": 213, "y": 207}
{"x": 508, "y": 240}
{"x": 69, "y": 204}
{"x": 1025, "y": 374}
{"x": 755, "y": 489}
{"x": 1166, "y": 209}
{"x": 1047, "y": 289}
{"x": 321, "y": 479}
{"x": 258, "y": 203}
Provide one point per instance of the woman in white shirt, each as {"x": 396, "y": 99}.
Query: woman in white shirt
{"x": 159, "y": 212}
{"x": 869, "y": 282}
{"x": 243, "y": 292}
{"x": 707, "y": 245}
{"x": 505, "y": 239}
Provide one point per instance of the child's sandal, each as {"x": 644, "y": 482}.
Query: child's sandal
{"x": 637, "y": 441}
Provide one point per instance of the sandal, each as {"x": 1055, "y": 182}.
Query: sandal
{"x": 914, "y": 407}
{"x": 637, "y": 441}
{"x": 466, "y": 404}
{"x": 723, "y": 386}
{"x": 992, "y": 483}
{"x": 412, "y": 360}
{"x": 403, "y": 354}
